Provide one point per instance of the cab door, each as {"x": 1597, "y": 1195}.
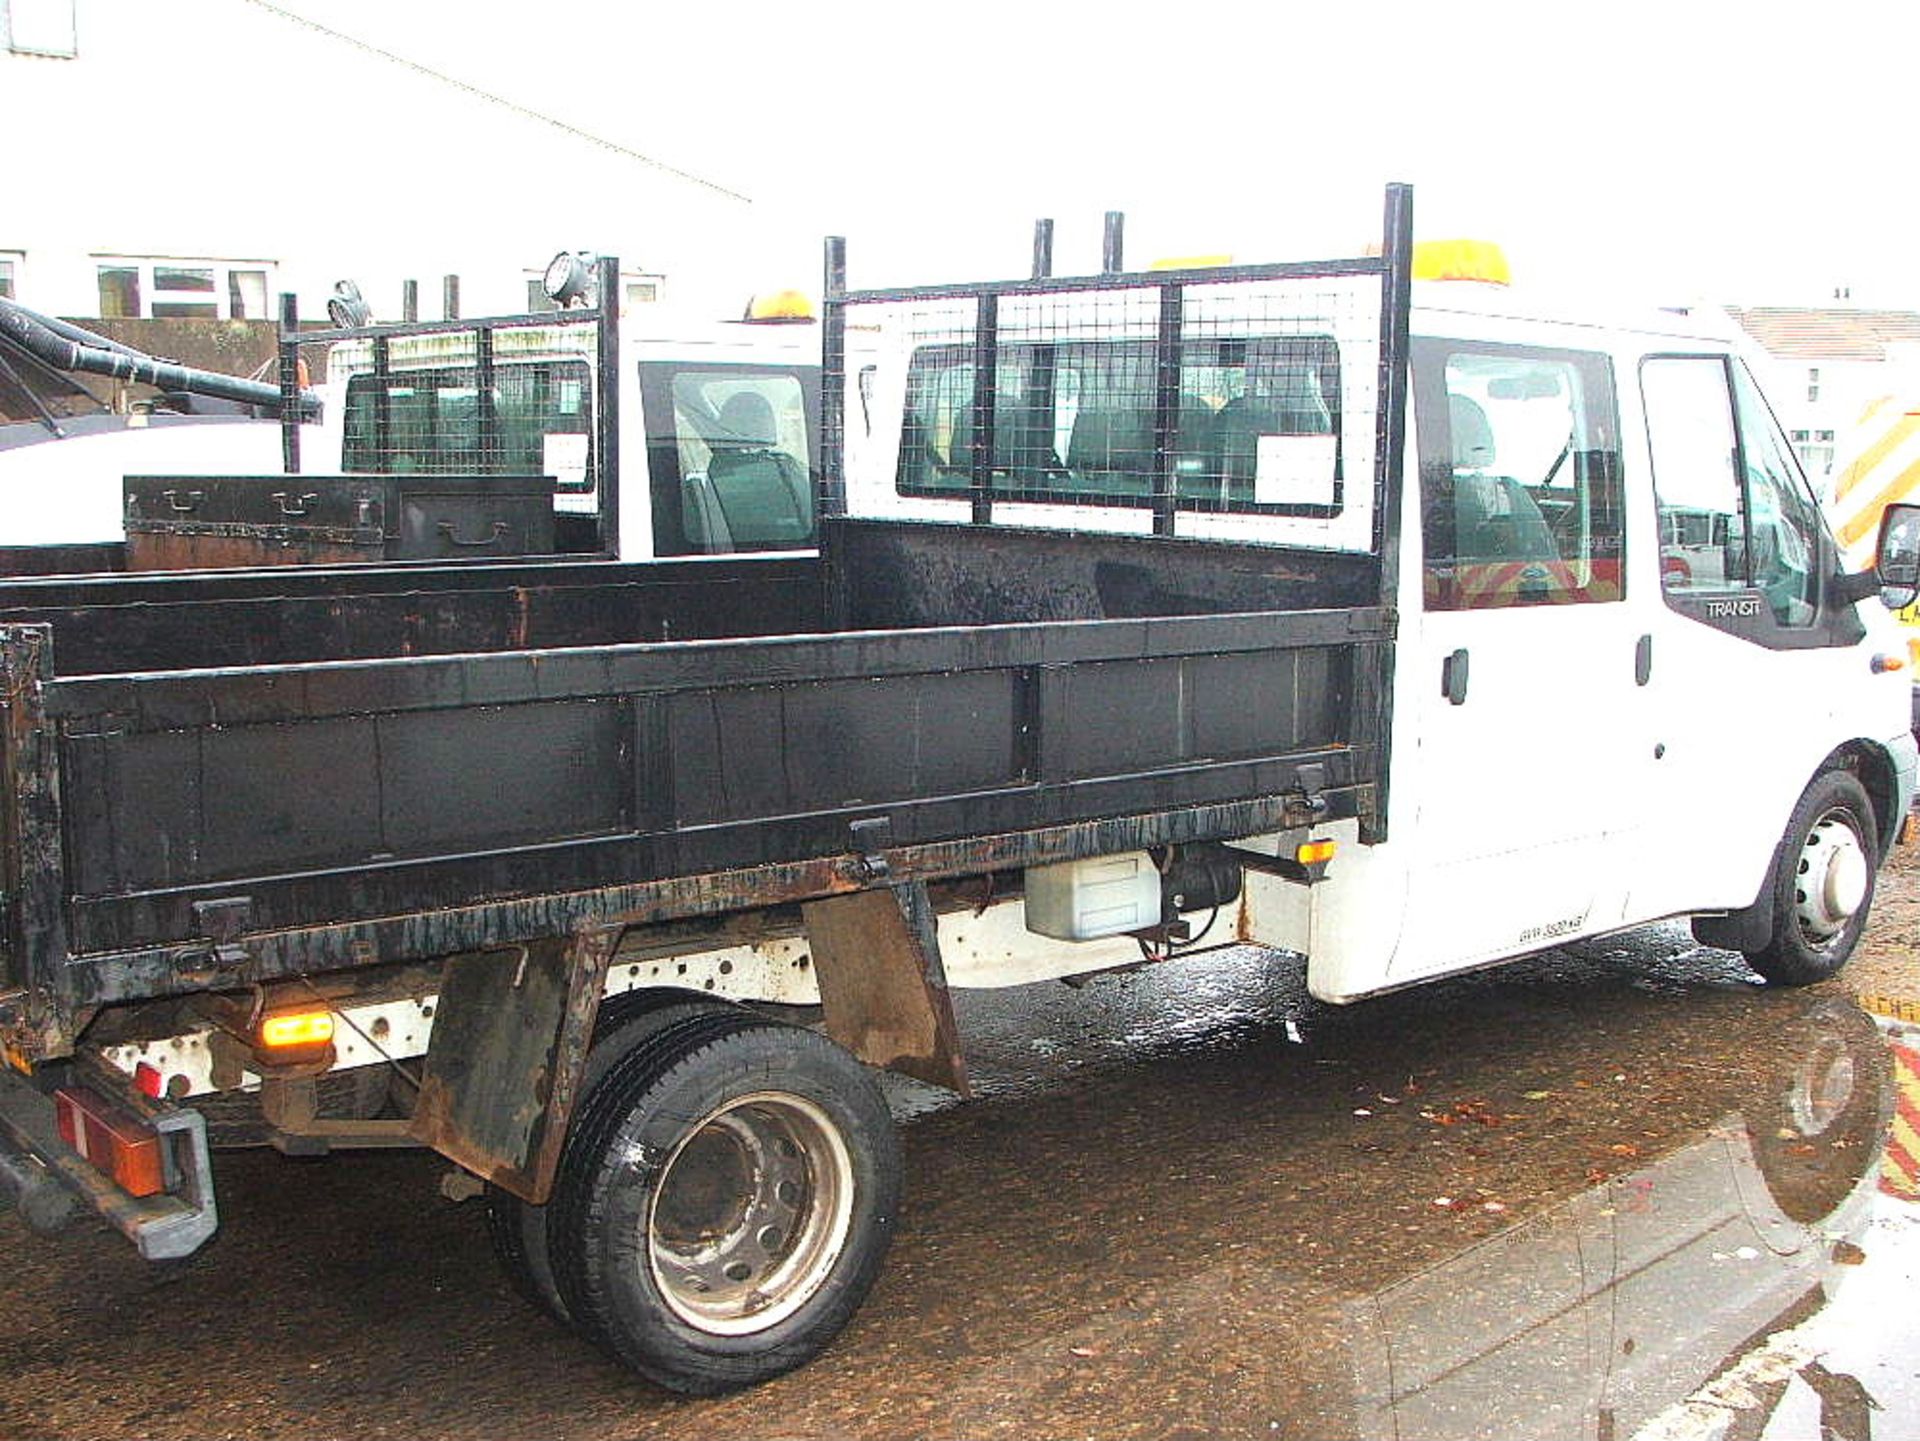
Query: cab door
{"x": 1758, "y": 673}
{"x": 1522, "y": 753}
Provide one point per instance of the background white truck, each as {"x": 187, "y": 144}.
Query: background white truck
{"x": 719, "y": 420}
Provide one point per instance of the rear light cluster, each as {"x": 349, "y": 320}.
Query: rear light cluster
{"x": 117, "y": 1144}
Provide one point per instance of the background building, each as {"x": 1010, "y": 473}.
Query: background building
{"x": 1822, "y": 366}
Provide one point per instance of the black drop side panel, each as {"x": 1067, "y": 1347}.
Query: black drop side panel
{"x": 893, "y": 574}
{"x": 157, "y": 809}
{"x": 143, "y": 624}
{"x": 409, "y": 786}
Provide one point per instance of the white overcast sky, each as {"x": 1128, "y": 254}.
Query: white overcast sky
{"x": 1749, "y": 153}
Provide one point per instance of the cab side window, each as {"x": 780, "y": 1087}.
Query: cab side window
{"x": 1519, "y": 476}
{"x": 729, "y": 458}
{"x": 1736, "y": 517}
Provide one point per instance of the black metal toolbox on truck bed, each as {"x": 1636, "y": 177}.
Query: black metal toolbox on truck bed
{"x": 211, "y": 522}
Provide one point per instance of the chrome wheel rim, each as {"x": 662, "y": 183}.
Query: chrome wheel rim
{"x": 752, "y": 1211}
{"x": 1831, "y": 878}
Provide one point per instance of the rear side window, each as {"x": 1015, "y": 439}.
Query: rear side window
{"x": 1256, "y": 426}
{"x": 1520, "y": 493}
{"x": 537, "y": 420}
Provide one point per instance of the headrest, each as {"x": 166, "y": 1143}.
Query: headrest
{"x": 748, "y": 416}
{"x": 1472, "y": 434}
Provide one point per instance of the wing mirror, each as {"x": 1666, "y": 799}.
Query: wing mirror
{"x": 1899, "y": 567}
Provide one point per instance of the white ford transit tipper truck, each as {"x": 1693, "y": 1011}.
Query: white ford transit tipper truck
{"x": 1276, "y": 605}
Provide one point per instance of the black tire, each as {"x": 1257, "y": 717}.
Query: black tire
{"x": 1831, "y": 846}
{"x": 518, "y": 1228}
{"x": 725, "y": 1202}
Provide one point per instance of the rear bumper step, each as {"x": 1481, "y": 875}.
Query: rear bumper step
{"x": 164, "y": 1227}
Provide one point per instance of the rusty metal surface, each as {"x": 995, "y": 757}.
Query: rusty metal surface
{"x": 103, "y": 980}
{"x": 877, "y": 957}
{"x": 34, "y": 855}
{"x": 162, "y": 550}
{"x": 510, "y": 1036}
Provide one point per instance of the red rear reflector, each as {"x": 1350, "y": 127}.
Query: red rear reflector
{"x": 118, "y": 1145}
{"x": 147, "y": 1077}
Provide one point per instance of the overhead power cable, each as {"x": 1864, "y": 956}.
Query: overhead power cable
{"x": 492, "y": 99}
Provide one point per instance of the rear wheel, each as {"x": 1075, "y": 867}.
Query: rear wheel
{"x": 519, "y": 1228}
{"x": 1822, "y": 884}
{"x": 725, "y": 1202}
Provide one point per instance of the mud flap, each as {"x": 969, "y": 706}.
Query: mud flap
{"x": 876, "y": 955}
{"x": 510, "y": 1035}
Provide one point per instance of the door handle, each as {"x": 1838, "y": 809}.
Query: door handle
{"x": 1453, "y": 678}
{"x": 1643, "y": 660}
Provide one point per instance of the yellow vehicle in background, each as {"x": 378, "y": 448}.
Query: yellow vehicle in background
{"x": 1879, "y": 465}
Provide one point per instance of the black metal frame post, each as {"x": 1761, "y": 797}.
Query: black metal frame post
{"x": 1391, "y": 438}
{"x": 290, "y": 382}
{"x": 607, "y": 401}
{"x": 831, "y": 496}
{"x": 1042, "y": 249}
{"x": 382, "y": 398}
{"x": 1166, "y": 405}
{"x": 449, "y": 297}
{"x": 986, "y": 350}
{"x": 1112, "y": 243}
{"x": 409, "y": 301}
{"x": 485, "y": 421}
{"x": 1396, "y": 304}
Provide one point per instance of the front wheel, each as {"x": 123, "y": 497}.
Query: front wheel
{"x": 1822, "y": 884}
{"x": 725, "y": 1202}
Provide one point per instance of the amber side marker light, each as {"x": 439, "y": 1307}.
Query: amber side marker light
{"x": 1884, "y": 664}
{"x": 296, "y": 1031}
{"x": 1315, "y": 853}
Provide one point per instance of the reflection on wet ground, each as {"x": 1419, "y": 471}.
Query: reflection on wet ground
{"x": 1571, "y": 1197}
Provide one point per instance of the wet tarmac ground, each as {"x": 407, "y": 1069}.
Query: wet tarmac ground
{"x": 1616, "y": 1190}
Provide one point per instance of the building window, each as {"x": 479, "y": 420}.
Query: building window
{"x": 39, "y": 27}
{"x": 182, "y": 290}
{"x": 119, "y": 292}
{"x": 180, "y": 293}
{"x": 1813, "y": 384}
{"x": 1815, "y": 449}
{"x": 247, "y": 295}
{"x": 9, "y": 277}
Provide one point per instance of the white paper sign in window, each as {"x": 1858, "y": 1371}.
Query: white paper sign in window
{"x": 1294, "y": 470}
{"x": 564, "y": 457}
